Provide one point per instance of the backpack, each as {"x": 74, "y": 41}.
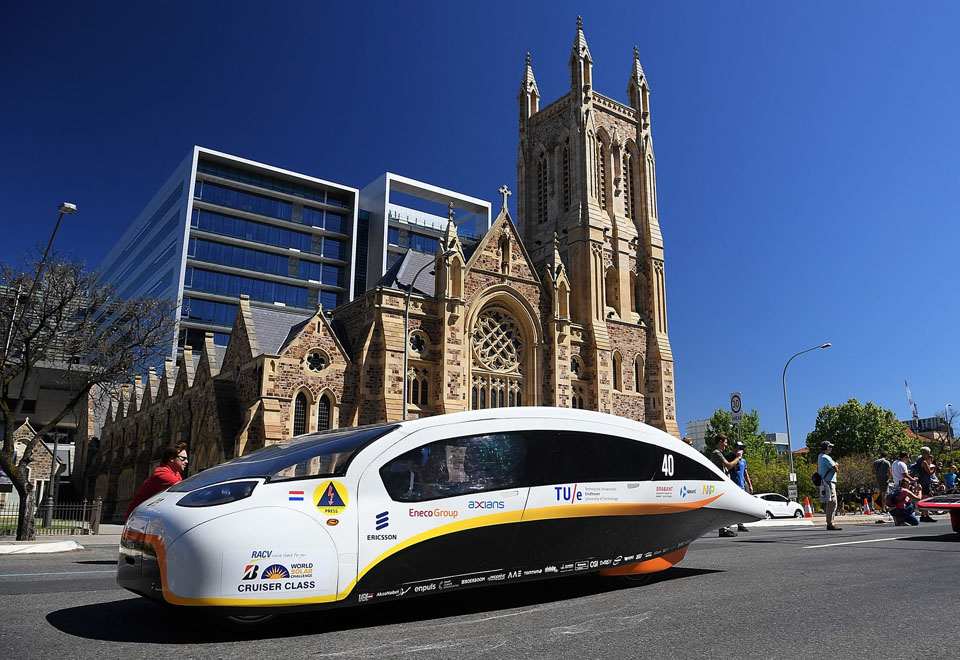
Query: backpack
{"x": 817, "y": 479}
{"x": 891, "y": 499}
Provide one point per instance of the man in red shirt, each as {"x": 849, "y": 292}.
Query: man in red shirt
{"x": 172, "y": 463}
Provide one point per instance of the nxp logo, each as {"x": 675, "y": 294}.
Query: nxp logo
{"x": 708, "y": 490}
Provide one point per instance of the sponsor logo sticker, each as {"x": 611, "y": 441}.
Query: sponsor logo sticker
{"x": 363, "y": 598}
{"x": 433, "y": 513}
{"x": 486, "y": 504}
{"x": 296, "y": 495}
{"x": 549, "y": 569}
{"x": 663, "y": 492}
{"x": 330, "y": 498}
{"x": 382, "y": 520}
{"x": 579, "y": 494}
{"x": 708, "y": 489}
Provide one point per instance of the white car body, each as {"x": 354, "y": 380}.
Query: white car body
{"x": 778, "y": 506}
{"x": 383, "y": 525}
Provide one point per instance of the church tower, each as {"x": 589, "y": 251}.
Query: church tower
{"x": 586, "y": 182}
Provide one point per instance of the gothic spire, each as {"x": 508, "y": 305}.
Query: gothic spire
{"x": 529, "y": 95}
{"x": 581, "y": 63}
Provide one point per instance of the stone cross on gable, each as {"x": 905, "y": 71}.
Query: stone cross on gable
{"x": 503, "y": 190}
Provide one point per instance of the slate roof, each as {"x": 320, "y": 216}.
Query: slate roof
{"x": 273, "y": 326}
{"x": 399, "y": 275}
{"x": 219, "y": 352}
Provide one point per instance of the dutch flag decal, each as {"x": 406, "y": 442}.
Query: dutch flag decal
{"x": 296, "y": 495}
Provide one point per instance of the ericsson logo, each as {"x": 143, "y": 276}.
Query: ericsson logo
{"x": 382, "y": 520}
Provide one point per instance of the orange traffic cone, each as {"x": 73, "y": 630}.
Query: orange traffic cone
{"x": 866, "y": 507}
{"x": 807, "y": 509}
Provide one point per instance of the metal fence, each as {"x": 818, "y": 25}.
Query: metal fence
{"x": 67, "y": 518}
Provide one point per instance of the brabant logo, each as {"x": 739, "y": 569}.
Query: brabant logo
{"x": 382, "y": 520}
{"x": 568, "y": 494}
{"x": 486, "y": 504}
{"x": 330, "y": 498}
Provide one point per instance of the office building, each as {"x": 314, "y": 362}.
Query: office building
{"x": 399, "y": 213}
{"x": 222, "y": 226}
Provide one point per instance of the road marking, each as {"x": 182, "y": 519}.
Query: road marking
{"x": 830, "y": 545}
{"x": 3, "y": 575}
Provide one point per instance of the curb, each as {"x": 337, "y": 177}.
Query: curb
{"x": 35, "y": 548}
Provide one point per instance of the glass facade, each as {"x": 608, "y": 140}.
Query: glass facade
{"x": 145, "y": 233}
{"x": 329, "y": 299}
{"x": 225, "y": 284}
{"x": 325, "y": 273}
{"x": 412, "y": 240}
{"x": 328, "y": 220}
{"x": 242, "y": 201}
{"x": 208, "y": 311}
{"x": 238, "y": 257}
{"x": 150, "y": 271}
{"x": 272, "y": 183}
{"x": 259, "y": 232}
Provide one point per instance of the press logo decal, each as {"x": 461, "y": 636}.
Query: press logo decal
{"x": 330, "y": 498}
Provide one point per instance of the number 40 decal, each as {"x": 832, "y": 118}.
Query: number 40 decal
{"x": 667, "y": 467}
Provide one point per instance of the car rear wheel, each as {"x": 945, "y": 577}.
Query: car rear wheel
{"x": 636, "y": 580}
{"x": 250, "y": 619}
{"x": 768, "y": 515}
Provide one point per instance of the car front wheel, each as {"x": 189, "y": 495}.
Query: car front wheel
{"x": 798, "y": 513}
{"x": 768, "y": 515}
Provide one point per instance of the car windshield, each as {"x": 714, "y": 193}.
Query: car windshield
{"x": 325, "y": 454}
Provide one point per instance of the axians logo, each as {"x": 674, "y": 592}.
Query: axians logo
{"x": 486, "y": 504}
{"x": 688, "y": 490}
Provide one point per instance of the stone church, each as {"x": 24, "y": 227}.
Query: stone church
{"x": 568, "y": 310}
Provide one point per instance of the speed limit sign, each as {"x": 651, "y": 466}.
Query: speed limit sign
{"x": 736, "y": 407}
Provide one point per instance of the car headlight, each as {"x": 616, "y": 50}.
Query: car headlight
{"x": 219, "y": 494}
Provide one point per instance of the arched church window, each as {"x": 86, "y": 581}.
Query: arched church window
{"x": 628, "y": 201}
{"x": 498, "y": 358}
{"x": 602, "y": 174}
{"x": 323, "y": 413}
{"x": 638, "y": 374}
{"x": 566, "y": 176}
{"x": 300, "y": 414}
{"x": 541, "y": 190}
{"x": 616, "y": 371}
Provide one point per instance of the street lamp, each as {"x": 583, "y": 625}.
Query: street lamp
{"x": 786, "y": 411}
{"x": 946, "y": 416}
{"x": 406, "y": 322}
{"x": 65, "y": 208}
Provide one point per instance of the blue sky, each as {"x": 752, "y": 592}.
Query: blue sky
{"x": 806, "y": 152}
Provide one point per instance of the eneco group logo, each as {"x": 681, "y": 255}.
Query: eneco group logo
{"x": 330, "y": 498}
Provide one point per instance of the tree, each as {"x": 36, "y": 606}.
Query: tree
{"x": 857, "y": 428}
{"x": 60, "y": 319}
{"x": 757, "y": 447}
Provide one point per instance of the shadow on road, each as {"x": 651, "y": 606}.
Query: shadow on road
{"x": 98, "y": 562}
{"x": 950, "y": 537}
{"x": 143, "y": 621}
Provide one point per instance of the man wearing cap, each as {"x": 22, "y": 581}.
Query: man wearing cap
{"x": 827, "y": 467}
{"x": 718, "y": 459}
{"x": 739, "y": 474}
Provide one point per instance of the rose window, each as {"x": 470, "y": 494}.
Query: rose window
{"x": 497, "y": 342}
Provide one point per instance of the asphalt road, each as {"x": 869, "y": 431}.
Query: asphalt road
{"x": 869, "y": 591}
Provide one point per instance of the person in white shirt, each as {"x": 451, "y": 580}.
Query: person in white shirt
{"x": 900, "y": 469}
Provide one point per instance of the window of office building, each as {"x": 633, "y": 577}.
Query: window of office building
{"x": 226, "y": 284}
{"x": 242, "y": 201}
{"x": 238, "y": 257}
{"x": 226, "y": 225}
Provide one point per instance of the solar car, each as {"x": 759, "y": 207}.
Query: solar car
{"x": 398, "y": 510}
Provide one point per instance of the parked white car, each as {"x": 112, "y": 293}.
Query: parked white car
{"x": 778, "y": 506}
